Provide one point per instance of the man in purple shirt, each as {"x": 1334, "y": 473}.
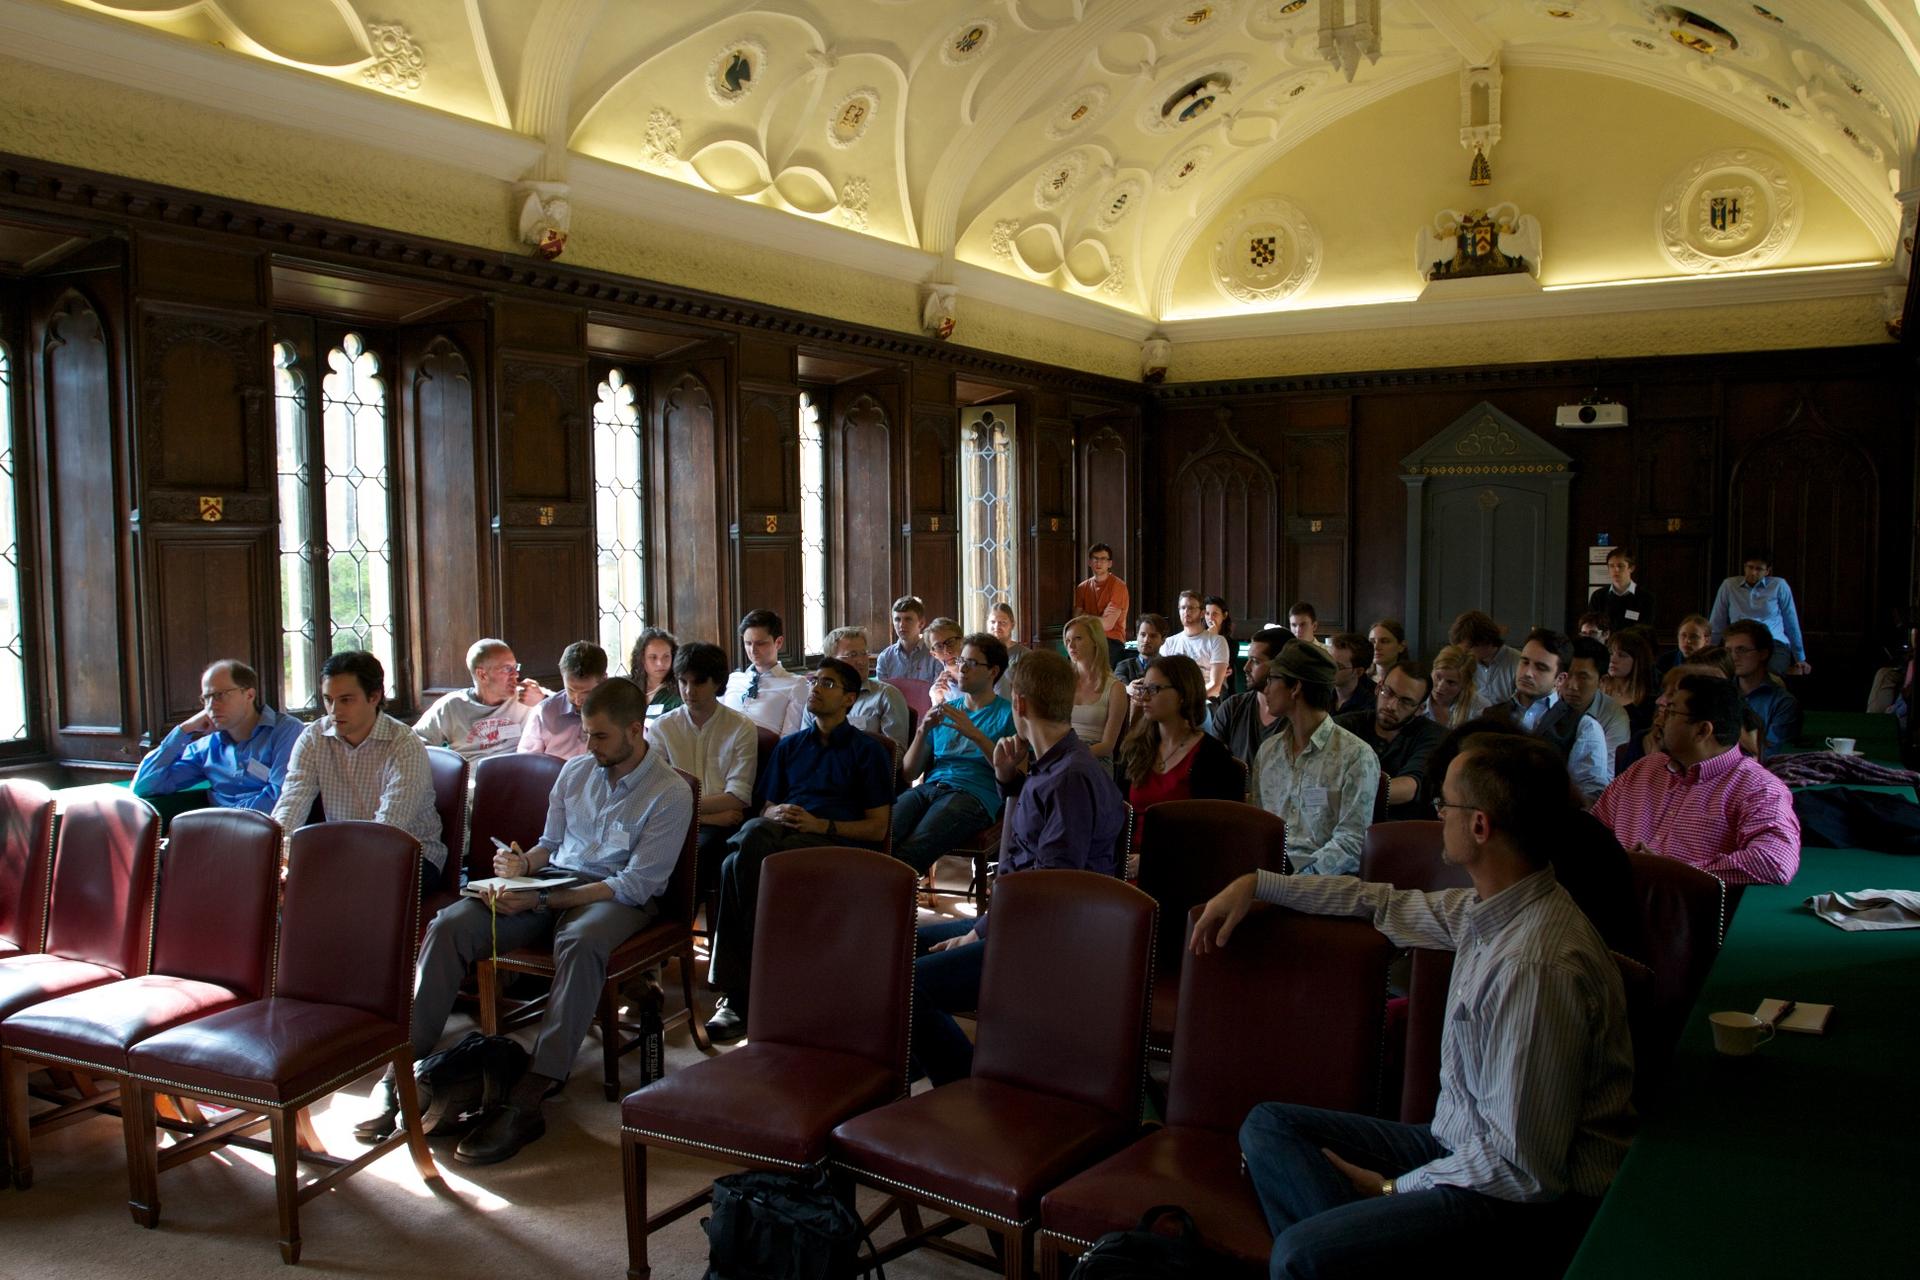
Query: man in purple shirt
{"x": 555, "y": 727}
{"x": 1065, "y": 812}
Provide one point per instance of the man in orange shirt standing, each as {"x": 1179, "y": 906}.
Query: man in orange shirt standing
{"x": 1104, "y": 596}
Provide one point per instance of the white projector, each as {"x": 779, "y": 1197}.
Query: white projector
{"x": 1592, "y": 414}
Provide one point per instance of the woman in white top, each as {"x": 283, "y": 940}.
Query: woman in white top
{"x": 1099, "y": 701}
{"x": 1196, "y": 642}
{"x": 1452, "y": 700}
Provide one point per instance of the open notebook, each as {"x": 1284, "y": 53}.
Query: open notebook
{"x": 1808, "y": 1019}
{"x": 504, "y": 884}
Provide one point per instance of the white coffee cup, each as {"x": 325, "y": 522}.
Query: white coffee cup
{"x": 1843, "y": 745}
{"x": 1739, "y": 1034}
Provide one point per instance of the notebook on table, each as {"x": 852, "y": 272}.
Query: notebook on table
{"x": 1807, "y": 1019}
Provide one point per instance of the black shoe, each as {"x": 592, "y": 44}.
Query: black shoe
{"x": 502, "y": 1063}
{"x": 501, "y": 1135}
{"x": 728, "y": 1023}
{"x": 453, "y": 1109}
{"x": 380, "y": 1126}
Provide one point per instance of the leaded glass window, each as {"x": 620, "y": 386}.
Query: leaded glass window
{"x": 990, "y": 529}
{"x": 292, "y": 476}
{"x": 813, "y": 526}
{"x": 13, "y": 658}
{"x": 619, "y": 517}
{"x": 353, "y": 423}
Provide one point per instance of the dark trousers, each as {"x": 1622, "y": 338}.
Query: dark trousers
{"x": 757, "y": 840}
{"x": 943, "y": 985}
{"x": 1322, "y": 1227}
{"x": 710, "y": 851}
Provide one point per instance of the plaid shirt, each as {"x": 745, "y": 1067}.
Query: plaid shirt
{"x": 384, "y": 779}
{"x": 1726, "y": 815}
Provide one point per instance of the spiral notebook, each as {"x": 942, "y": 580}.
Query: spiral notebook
{"x": 1807, "y": 1019}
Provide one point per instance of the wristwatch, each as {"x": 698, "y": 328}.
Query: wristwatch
{"x": 543, "y": 899}
{"x": 1387, "y": 1187}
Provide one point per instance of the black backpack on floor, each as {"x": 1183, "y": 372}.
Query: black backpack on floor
{"x": 772, "y": 1225}
{"x": 1145, "y": 1254}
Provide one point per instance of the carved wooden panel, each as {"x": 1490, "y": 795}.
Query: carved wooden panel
{"x": 196, "y": 269}
{"x": 689, "y": 512}
{"x": 203, "y": 396}
{"x": 546, "y": 598}
{"x": 861, "y": 455}
{"x": 1053, "y": 565}
{"x": 1675, "y": 499}
{"x": 1108, "y": 505}
{"x": 1222, "y": 535}
{"x": 762, "y": 361}
{"x": 1053, "y": 474}
{"x": 204, "y": 587}
{"x": 769, "y": 454}
{"x": 449, "y": 483}
{"x": 770, "y": 579}
{"x": 1314, "y": 497}
{"x": 936, "y": 577}
{"x": 932, "y": 485}
{"x": 83, "y": 516}
{"x": 542, "y": 429}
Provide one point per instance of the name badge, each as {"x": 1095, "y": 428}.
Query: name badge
{"x": 259, "y": 769}
{"x": 1317, "y": 797}
{"x": 1632, "y": 613}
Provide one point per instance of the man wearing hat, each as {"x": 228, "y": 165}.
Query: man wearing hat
{"x": 1319, "y": 778}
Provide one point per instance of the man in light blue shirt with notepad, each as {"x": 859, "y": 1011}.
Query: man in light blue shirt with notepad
{"x": 236, "y": 746}
{"x": 616, "y": 823}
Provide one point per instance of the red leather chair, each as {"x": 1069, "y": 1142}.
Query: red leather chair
{"x": 510, "y": 795}
{"x": 341, "y": 1002}
{"x": 918, "y": 695}
{"x": 766, "y": 740}
{"x": 1683, "y": 919}
{"x": 1406, "y": 855}
{"x": 1189, "y": 851}
{"x": 669, "y": 937}
{"x": 1319, "y": 985}
{"x": 826, "y": 1034}
{"x": 892, "y": 749}
{"x": 213, "y": 929}
{"x": 26, "y": 858}
{"x": 450, "y": 772}
{"x": 1057, "y": 1070}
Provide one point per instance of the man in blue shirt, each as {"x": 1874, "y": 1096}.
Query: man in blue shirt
{"x": 831, "y": 784}
{"x": 953, "y": 748}
{"x": 1067, "y": 813}
{"x": 235, "y": 745}
{"x": 1750, "y": 647}
{"x": 1755, "y": 593}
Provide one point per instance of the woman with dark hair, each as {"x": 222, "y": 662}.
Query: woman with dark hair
{"x": 1167, "y": 755}
{"x": 650, "y": 666}
{"x": 1587, "y": 861}
{"x": 1389, "y": 641}
{"x": 1631, "y": 680}
{"x": 1219, "y": 621}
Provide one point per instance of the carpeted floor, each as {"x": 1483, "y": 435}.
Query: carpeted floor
{"x": 554, "y": 1210}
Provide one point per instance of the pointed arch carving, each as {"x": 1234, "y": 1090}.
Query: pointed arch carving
{"x": 1224, "y": 524}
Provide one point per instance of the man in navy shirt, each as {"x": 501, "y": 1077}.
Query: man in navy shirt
{"x": 829, "y": 784}
{"x": 1066, "y": 813}
{"x": 235, "y": 745}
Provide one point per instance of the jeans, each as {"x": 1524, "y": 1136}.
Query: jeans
{"x": 1322, "y": 1227}
{"x": 943, "y": 985}
{"x": 930, "y": 819}
{"x": 757, "y": 840}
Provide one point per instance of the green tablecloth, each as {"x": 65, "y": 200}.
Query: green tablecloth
{"x": 1876, "y": 736}
{"x": 1797, "y": 1161}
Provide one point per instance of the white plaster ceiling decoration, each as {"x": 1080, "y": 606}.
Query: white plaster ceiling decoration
{"x": 399, "y": 64}
{"x": 1733, "y": 210}
{"x": 1294, "y": 88}
{"x": 736, "y": 69}
{"x": 1182, "y": 100}
{"x": 1182, "y": 168}
{"x": 967, "y": 42}
{"x": 1569, "y": 12}
{"x": 848, "y": 121}
{"x": 1001, "y": 241}
{"x": 1761, "y": 11}
{"x": 1058, "y": 180}
{"x": 1195, "y": 17}
{"x": 661, "y": 146}
{"x": 1278, "y": 19}
{"x": 1645, "y": 43}
{"x": 1269, "y": 254}
{"x": 1117, "y": 201}
{"x": 1080, "y": 110}
{"x": 855, "y": 195}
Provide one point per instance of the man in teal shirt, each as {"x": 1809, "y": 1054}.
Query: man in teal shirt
{"x": 234, "y": 745}
{"x": 953, "y": 747}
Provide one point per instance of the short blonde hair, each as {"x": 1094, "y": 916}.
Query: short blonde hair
{"x": 1096, "y": 637}
{"x": 942, "y": 628}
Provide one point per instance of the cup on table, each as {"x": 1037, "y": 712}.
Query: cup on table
{"x": 1739, "y": 1034}
{"x": 1842, "y": 745}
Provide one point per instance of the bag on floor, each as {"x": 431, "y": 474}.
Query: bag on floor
{"x": 769, "y": 1225}
{"x": 1146, "y": 1254}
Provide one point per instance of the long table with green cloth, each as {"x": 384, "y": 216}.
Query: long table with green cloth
{"x": 1798, "y": 1160}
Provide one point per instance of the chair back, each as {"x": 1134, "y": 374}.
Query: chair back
{"x": 1292, "y": 1009}
{"x": 766, "y": 740}
{"x": 1430, "y": 979}
{"x": 450, "y": 772}
{"x": 1651, "y": 1053}
{"x": 26, "y": 859}
{"x": 1406, "y": 855}
{"x": 1063, "y": 993}
{"x": 219, "y": 895}
{"x": 1191, "y": 850}
{"x": 892, "y": 749}
{"x": 833, "y": 953}
{"x": 100, "y": 906}
{"x": 918, "y": 694}
{"x": 679, "y": 901}
{"x": 350, "y": 919}
{"x": 1683, "y": 917}
{"x": 510, "y": 795}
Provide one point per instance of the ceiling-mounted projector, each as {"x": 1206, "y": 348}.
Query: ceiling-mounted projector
{"x": 1593, "y": 414}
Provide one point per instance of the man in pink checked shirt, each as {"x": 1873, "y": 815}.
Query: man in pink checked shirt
{"x": 1699, "y": 800}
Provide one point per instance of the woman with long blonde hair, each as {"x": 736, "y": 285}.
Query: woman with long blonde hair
{"x": 1452, "y": 699}
{"x": 1099, "y": 701}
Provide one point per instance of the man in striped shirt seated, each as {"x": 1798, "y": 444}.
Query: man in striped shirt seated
{"x": 1536, "y": 1066}
{"x": 1700, "y": 799}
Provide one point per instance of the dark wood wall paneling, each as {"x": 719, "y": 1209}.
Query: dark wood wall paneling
{"x": 932, "y": 527}
{"x": 446, "y": 487}
{"x": 689, "y": 465}
{"x": 869, "y": 547}
{"x": 1108, "y": 441}
{"x": 766, "y": 529}
{"x": 1810, "y": 453}
{"x": 1049, "y": 480}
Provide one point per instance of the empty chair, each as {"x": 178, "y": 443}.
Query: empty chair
{"x": 1057, "y": 1069}
{"x": 340, "y": 1005}
{"x": 1319, "y": 985}
{"x": 1189, "y": 851}
{"x": 26, "y": 857}
{"x": 450, "y": 772}
{"x": 1683, "y": 919}
{"x": 510, "y": 794}
{"x": 765, "y": 740}
{"x": 213, "y": 927}
{"x": 826, "y": 1032}
{"x": 1406, "y": 855}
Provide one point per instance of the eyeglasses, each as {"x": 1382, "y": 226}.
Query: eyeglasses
{"x": 972, "y": 664}
{"x": 1148, "y": 688}
{"x": 208, "y": 699}
{"x": 1410, "y": 704}
{"x": 829, "y": 683}
{"x": 1441, "y": 805}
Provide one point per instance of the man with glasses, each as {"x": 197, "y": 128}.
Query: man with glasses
{"x": 1402, "y": 738}
{"x": 831, "y": 784}
{"x": 952, "y": 754}
{"x": 1755, "y": 593}
{"x": 487, "y": 719}
{"x": 1102, "y": 595}
{"x": 1699, "y": 799}
{"x": 764, "y": 691}
{"x": 236, "y": 746}
{"x": 880, "y": 708}
{"x": 1243, "y": 721}
{"x": 1750, "y": 646}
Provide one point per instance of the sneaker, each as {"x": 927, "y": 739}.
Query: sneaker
{"x": 728, "y": 1023}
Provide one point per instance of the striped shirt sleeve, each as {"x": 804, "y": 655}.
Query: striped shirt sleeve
{"x": 1409, "y": 918}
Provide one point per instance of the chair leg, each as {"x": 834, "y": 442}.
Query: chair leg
{"x": 487, "y": 978}
{"x": 610, "y": 1039}
{"x": 303, "y": 1130}
{"x": 1049, "y": 1260}
{"x": 13, "y": 1103}
{"x": 143, "y": 1153}
{"x": 633, "y": 1168}
{"x": 1016, "y": 1253}
{"x": 409, "y": 1096}
{"x": 286, "y": 1183}
{"x": 695, "y": 1023}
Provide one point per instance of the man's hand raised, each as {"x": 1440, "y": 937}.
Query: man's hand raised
{"x": 1009, "y": 759}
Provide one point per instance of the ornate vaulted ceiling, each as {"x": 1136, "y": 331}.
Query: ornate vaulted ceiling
{"x": 1164, "y": 163}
